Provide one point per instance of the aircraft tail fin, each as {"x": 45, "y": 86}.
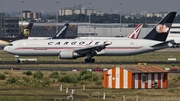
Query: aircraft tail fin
{"x": 161, "y": 30}
{"x": 61, "y": 33}
{"x": 26, "y": 32}
{"x": 136, "y": 32}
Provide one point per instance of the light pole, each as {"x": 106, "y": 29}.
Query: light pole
{"x": 120, "y": 19}
{"x": 57, "y": 16}
{"x": 22, "y": 1}
{"x": 90, "y": 18}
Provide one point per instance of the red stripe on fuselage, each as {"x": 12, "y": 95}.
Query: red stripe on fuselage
{"x": 108, "y": 48}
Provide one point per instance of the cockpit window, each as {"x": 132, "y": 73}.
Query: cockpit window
{"x": 10, "y": 44}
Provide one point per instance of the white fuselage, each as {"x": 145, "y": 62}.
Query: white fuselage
{"x": 38, "y": 38}
{"x": 53, "y": 47}
{"x": 105, "y": 38}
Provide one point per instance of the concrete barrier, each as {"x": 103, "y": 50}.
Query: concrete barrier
{"x": 171, "y": 59}
{"x": 24, "y": 60}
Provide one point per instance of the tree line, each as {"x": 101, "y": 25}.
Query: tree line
{"x": 108, "y": 18}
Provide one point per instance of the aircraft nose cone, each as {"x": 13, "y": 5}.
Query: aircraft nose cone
{"x": 6, "y": 48}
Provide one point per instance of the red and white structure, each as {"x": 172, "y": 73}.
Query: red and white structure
{"x": 135, "y": 77}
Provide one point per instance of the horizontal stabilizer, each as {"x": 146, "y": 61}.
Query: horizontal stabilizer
{"x": 164, "y": 43}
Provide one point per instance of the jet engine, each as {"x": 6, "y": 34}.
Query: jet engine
{"x": 68, "y": 54}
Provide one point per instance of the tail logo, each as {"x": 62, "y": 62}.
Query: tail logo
{"x": 162, "y": 28}
{"x": 26, "y": 32}
{"x": 61, "y": 31}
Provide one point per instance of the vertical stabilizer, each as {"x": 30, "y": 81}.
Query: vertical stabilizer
{"x": 136, "y": 32}
{"x": 61, "y": 33}
{"x": 161, "y": 30}
{"x": 25, "y": 33}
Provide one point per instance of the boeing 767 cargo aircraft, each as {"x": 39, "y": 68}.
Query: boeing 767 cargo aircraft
{"x": 75, "y": 48}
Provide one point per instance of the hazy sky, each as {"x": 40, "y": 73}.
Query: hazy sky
{"x": 99, "y": 5}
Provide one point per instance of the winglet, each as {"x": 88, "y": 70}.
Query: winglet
{"x": 161, "y": 30}
{"x": 26, "y": 32}
{"x": 136, "y": 32}
{"x": 61, "y": 33}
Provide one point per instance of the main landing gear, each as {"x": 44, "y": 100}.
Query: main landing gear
{"x": 89, "y": 58}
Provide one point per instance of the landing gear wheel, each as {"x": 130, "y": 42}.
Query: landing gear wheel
{"x": 89, "y": 60}
{"x": 18, "y": 61}
{"x": 92, "y": 60}
{"x": 86, "y": 60}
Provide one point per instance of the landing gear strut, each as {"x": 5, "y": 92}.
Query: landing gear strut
{"x": 89, "y": 58}
{"x": 17, "y": 59}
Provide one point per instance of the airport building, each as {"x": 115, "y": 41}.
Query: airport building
{"x": 80, "y": 29}
{"x": 31, "y": 15}
{"x": 49, "y": 29}
{"x": 80, "y": 10}
{"x": 9, "y": 26}
{"x": 2, "y": 18}
{"x": 83, "y": 30}
{"x": 136, "y": 77}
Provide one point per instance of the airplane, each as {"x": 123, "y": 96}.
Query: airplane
{"x": 136, "y": 32}
{"x": 76, "y": 48}
{"x": 59, "y": 35}
{"x": 133, "y": 35}
{"x": 23, "y": 35}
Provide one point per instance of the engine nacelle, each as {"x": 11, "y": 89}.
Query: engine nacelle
{"x": 68, "y": 54}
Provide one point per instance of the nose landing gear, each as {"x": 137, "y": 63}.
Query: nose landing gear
{"x": 17, "y": 59}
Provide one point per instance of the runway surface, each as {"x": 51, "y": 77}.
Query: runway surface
{"x": 53, "y": 62}
{"x": 13, "y": 63}
{"x": 66, "y": 69}
{"x": 33, "y": 67}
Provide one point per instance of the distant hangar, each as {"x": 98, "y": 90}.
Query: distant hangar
{"x": 93, "y": 29}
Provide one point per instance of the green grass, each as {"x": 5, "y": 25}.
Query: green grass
{"x": 14, "y": 92}
{"x": 20, "y": 98}
{"x": 151, "y": 57}
{"x": 17, "y": 92}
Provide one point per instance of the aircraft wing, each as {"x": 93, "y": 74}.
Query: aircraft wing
{"x": 91, "y": 49}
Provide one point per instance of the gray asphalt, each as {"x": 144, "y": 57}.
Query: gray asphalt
{"x": 70, "y": 69}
